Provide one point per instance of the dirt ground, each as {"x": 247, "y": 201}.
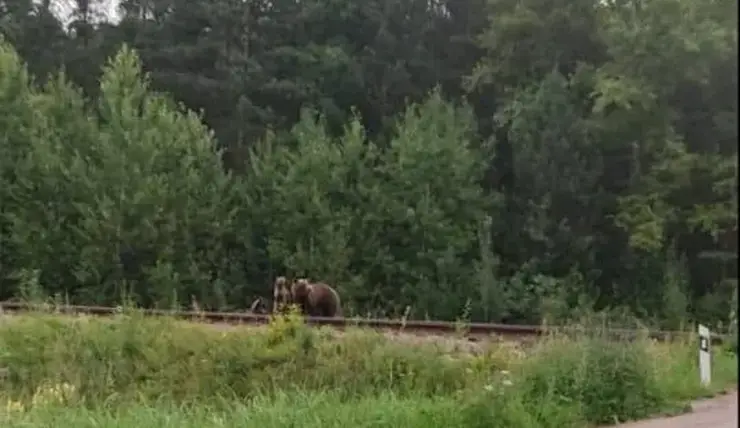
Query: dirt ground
{"x": 719, "y": 412}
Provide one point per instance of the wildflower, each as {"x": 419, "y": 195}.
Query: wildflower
{"x": 14, "y": 406}
{"x": 53, "y": 394}
{"x": 506, "y": 380}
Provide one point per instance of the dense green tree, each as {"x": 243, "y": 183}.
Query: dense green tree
{"x": 404, "y": 221}
{"x": 131, "y": 201}
{"x": 594, "y": 164}
{"x": 626, "y": 156}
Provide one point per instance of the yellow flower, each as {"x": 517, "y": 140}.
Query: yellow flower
{"x": 14, "y": 406}
{"x": 53, "y": 394}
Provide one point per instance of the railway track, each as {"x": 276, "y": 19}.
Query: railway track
{"x": 472, "y": 331}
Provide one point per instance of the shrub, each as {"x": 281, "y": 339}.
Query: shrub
{"x": 608, "y": 380}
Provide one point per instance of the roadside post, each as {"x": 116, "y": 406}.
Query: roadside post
{"x": 705, "y": 360}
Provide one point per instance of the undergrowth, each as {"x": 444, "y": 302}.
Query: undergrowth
{"x": 131, "y": 370}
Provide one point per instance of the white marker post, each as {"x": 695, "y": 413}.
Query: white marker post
{"x": 705, "y": 360}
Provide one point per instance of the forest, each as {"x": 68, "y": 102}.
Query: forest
{"x": 501, "y": 160}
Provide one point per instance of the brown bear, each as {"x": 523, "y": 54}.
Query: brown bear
{"x": 281, "y": 296}
{"x": 316, "y": 299}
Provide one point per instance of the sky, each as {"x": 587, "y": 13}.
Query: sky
{"x": 106, "y": 9}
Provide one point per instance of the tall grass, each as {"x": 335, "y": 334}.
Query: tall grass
{"x": 131, "y": 370}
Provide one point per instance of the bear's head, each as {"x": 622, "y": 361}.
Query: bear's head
{"x": 300, "y": 289}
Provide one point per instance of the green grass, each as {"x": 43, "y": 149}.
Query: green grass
{"x": 319, "y": 410}
{"x": 136, "y": 371}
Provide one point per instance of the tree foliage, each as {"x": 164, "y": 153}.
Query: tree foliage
{"x": 513, "y": 160}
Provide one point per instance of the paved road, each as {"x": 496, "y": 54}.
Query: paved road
{"x": 720, "y": 412}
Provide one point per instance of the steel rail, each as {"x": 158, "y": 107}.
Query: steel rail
{"x": 473, "y": 330}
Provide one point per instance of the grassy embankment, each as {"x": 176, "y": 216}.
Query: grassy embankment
{"x": 136, "y": 372}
